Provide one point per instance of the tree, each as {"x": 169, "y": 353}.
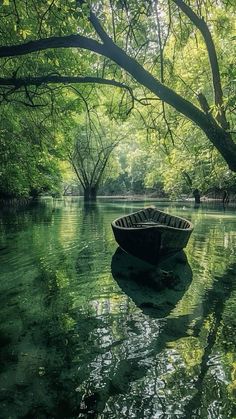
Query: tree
{"x": 29, "y": 158}
{"x": 188, "y": 165}
{"x": 96, "y": 138}
{"x": 108, "y": 22}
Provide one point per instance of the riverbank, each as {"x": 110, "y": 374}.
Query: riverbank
{"x": 22, "y": 202}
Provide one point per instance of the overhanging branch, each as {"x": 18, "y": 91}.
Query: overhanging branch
{"x": 70, "y": 41}
{"x": 38, "y": 81}
{"x": 116, "y": 54}
{"x": 217, "y": 135}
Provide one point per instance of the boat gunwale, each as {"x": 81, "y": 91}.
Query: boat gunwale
{"x": 157, "y": 226}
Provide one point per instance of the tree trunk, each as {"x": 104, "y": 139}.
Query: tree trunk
{"x": 90, "y": 193}
{"x": 225, "y": 199}
{"x": 197, "y": 197}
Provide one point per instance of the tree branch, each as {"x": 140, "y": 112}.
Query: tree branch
{"x": 126, "y": 62}
{"x": 43, "y": 16}
{"x": 97, "y": 26}
{"x": 77, "y": 172}
{"x": 217, "y": 135}
{"x": 76, "y": 41}
{"x": 37, "y": 81}
{"x": 216, "y": 79}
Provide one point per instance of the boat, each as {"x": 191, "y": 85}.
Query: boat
{"x": 151, "y": 235}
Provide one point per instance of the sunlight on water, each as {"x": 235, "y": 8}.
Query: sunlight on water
{"x": 87, "y": 331}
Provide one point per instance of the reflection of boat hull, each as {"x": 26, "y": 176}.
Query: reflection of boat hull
{"x": 150, "y": 234}
{"x": 155, "y": 291}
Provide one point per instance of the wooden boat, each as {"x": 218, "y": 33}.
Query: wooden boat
{"x": 151, "y": 234}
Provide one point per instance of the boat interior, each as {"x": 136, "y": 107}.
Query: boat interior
{"x": 149, "y": 217}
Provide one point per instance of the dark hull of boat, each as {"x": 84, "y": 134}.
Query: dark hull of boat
{"x": 136, "y": 234}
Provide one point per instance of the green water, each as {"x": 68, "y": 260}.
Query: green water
{"x": 82, "y": 337}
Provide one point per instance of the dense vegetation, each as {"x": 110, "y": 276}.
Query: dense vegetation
{"x": 124, "y": 96}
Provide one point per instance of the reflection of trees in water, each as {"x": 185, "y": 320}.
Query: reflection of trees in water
{"x": 82, "y": 347}
{"x": 36, "y": 322}
{"x": 210, "y": 252}
{"x": 213, "y": 323}
{"x": 168, "y": 354}
{"x": 95, "y": 235}
{"x": 153, "y": 369}
{"x": 16, "y": 219}
{"x": 37, "y": 376}
{"x": 183, "y": 349}
{"x": 57, "y": 324}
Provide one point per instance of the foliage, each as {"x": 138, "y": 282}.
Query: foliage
{"x": 29, "y": 162}
{"x": 150, "y": 42}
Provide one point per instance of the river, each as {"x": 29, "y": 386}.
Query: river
{"x": 84, "y": 335}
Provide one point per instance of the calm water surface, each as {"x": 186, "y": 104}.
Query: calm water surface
{"x": 85, "y": 334}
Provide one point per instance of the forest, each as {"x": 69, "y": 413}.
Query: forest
{"x": 117, "y": 97}
{"x": 117, "y": 289}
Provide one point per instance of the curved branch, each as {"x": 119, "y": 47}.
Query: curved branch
{"x": 43, "y": 16}
{"x": 37, "y": 81}
{"x": 76, "y": 41}
{"x": 119, "y": 56}
{"x": 78, "y": 174}
{"x": 217, "y": 135}
{"x": 95, "y": 23}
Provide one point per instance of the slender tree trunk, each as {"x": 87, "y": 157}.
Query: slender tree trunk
{"x": 90, "y": 193}
{"x": 93, "y": 193}
{"x": 197, "y": 196}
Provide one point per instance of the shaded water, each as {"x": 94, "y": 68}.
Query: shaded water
{"x": 83, "y": 335}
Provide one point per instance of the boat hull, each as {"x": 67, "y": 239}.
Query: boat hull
{"x": 151, "y": 235}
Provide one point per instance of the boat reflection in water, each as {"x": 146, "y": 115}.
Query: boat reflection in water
{"x": 155, "y": 290}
